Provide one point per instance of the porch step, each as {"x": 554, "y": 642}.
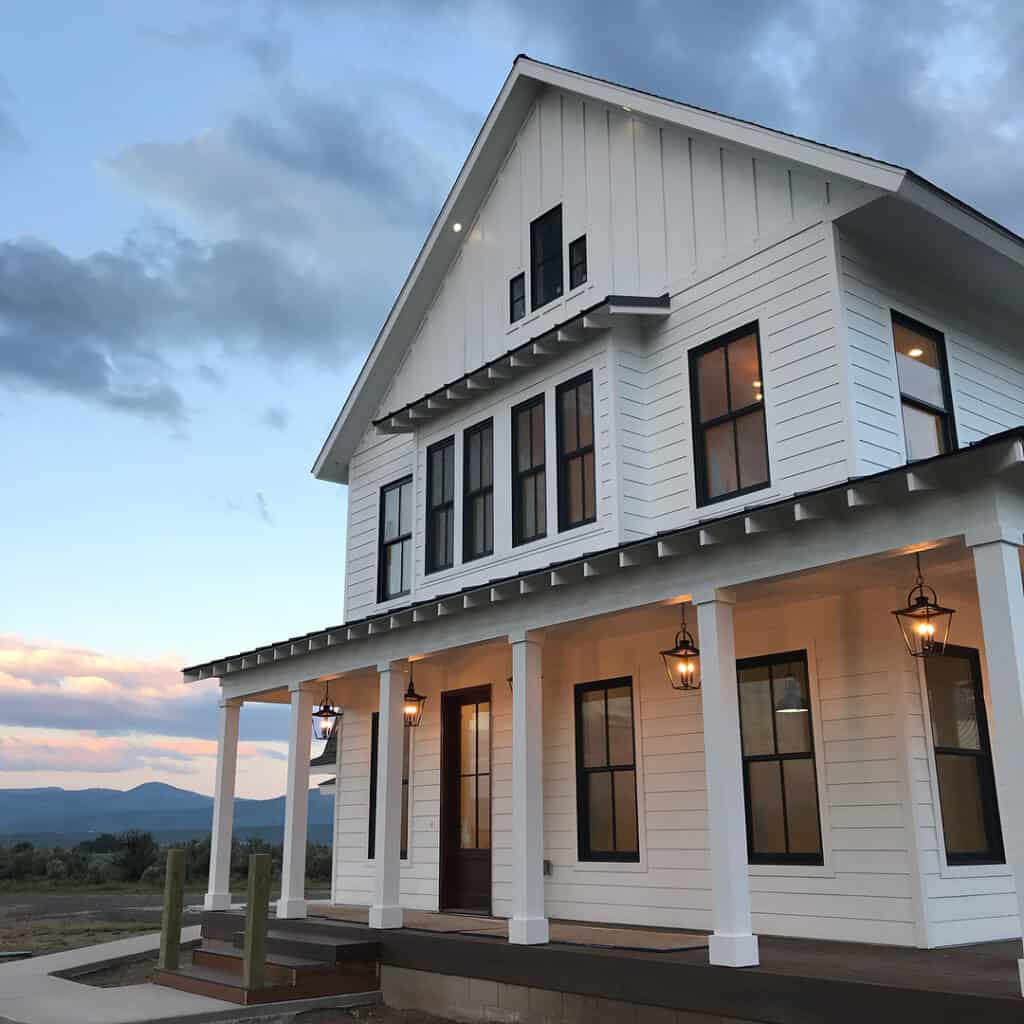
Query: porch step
{"x": 316, "y": 947}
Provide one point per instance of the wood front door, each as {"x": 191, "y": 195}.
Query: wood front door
{"x": 466, "y": 800}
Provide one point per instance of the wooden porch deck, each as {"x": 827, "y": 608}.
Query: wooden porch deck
{"x": 799, "y": 981}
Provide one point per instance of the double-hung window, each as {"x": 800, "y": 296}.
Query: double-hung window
{"x": 546, "y": 258}
{"x": 394, "y": 563}
{"x": 577, "y": 499}
{"x": 478, "y": 491}
{"x": 729, "y": 439}
{"x": 779, "y": 778}
{"x": 924, "y": 388}
{"x": 529, "y": 488}
{"x": 440, "y": 552}
{"x": 517, "y": 298}
{"x": 578, "y": 262}
{"x": 606, "y": 811}
{"x": 371, "y": 845}
{"x": 963, "y": 758}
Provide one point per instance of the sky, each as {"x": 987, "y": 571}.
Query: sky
{"x": 206, "y": 210}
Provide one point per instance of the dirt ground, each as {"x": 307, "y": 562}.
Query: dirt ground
{"x": 38, "y": 936}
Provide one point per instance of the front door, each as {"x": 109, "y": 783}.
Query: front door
{"x": 466, "y": 800}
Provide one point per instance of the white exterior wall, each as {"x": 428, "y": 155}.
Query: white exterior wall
{"x": 986, "y": 365}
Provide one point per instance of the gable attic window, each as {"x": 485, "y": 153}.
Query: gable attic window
{"x": 924, "y": 388}
{"x": 517, "y": 298}
{"x": 578, "y": 262}
{"x": 394, "y": 560}
{"x": 729, "y": 440}
{"x": 441, "y": 505}
{"x": 546, "y": 258}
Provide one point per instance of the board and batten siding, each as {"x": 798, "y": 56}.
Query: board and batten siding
{"x": 788, "y": 288}
{"x": 659, "y": 205}
{"x": 986, "y": 365}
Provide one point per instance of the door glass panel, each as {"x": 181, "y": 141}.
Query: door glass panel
{"x": 802, "y": 806}
{"x": 624, "y": 785}
{"x": 599, "y": 808}
{"x": 712, "y": 396}
{"x": 720, "y": 459}
{"x": 483, "y": 731}
{"x": 744, "y": 372}
{"x": 620, "y": 725}
{"x": 768, "y": 833}
{"x": 952, "y": 703}
{"x": 483, "y": 836}
{"x": 467, "y": 812}
{"x": 467, "y": 732}
{"x": 595, "y": 753}
{"x": 960, "y": 797}
{"x": 756, "y": 711}
{"x": 753, "y": 449}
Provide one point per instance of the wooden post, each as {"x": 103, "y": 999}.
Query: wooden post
{"x": 257, "y": 909}
{"x": 170, "y": 928}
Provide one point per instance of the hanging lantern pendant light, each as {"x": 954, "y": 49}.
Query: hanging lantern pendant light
{"x": 924, "y": 622}
{"x": 325, "y": 716}
{"x": 682, "y": 662}
{"x": 412, "y": 705}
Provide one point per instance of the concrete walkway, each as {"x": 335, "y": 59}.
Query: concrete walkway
{"x": 29, "y": 994}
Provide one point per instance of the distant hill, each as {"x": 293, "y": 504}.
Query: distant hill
{"x": 168, "y": 812}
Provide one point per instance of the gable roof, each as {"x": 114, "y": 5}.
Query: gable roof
{"x": 524, "y": 83}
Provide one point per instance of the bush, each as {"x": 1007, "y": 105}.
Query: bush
{"x": 102, "y": 868}
{"x": 153, "y": 875}
{"x": 56, "y": 869}
{"x": 136, "y": 851}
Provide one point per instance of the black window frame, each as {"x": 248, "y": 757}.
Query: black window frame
{"x": 700, "y": 429}
{"x": 753, "y": 857}
{"x": 445, "y": 507}
{"x": 583, "y": 850}
{"x": 946, "y": 416}
{"x": 517, "y": 301}
{"x": 470, "y": 496}
{"x": 402, "y": 538}
{"x": 539, "y": 299}
{"x": 577, "y": 264}
{"x": 996, "y": 853}
{"x": 518, "y": 475}
{"x": 371, "y": 842}
{"x": 564, "y": 458}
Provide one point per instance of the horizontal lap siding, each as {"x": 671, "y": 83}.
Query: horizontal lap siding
{"x": 786, "y": 288}
{"x": 985, "y": 364}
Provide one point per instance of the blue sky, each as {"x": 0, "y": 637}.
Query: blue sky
{"x": 205, "y": 212}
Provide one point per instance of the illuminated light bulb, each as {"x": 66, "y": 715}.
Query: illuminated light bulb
{"x": 456, "y": 227}
{"x": 410, "y": 709}
{"x": 916, "y": 353}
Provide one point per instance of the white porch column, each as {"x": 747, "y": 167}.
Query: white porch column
{"x": 296, "y": 807}
{"x": 1001, "y": 601}
{"x": 218, "y": 895}
{"x": 732, "y": 944}
{"x": 386, "y": 911}
{"x": 528, "y": 926}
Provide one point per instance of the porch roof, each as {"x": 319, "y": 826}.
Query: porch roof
{"x": 1006, "y": 446}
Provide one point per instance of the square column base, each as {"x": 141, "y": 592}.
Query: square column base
{"x": 733, "y": 951}
{"x": 291, "y": 908}
{"x": 217, "y": 901}
{"x": 528, "y": 931}
{"x": 385, "y": 917}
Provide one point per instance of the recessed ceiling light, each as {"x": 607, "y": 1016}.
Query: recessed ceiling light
{"x": 916, "y": 353}
{"x": 456, "y": 227}
{"x": 628, "y": 110}
{"x": 757, "y": 384}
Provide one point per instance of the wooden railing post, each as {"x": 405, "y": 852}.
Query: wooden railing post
{"x": 257, "y": 910}
{"x": 170, "y": 927}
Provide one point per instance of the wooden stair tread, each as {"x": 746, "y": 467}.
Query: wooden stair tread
{"x": 228, "y": 949}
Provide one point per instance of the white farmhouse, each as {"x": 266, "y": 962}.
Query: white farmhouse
{"x": 661, "y": 371}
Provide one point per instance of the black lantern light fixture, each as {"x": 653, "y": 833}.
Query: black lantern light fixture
{"x": 682, "y": 662}
{"x": 792, "y": 699}
{"x": 412, "y": 705}
{"x": 924, "y": 622}
{"x": 325, "y": 716}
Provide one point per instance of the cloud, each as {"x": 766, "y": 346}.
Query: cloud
{"x": 255, "y": 506}
{"x": 275, "y": 417}
{"x": 78, "y": 689}
{"x": 11, "y": 138}
{"x": 101, "y": 327}
{"x": 261, "y": 505}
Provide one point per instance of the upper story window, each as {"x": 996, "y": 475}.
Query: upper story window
{"x": 779, "y": 777}
{"x": 729, "y": 440}
{"x": 963, "y": 758}
{"x": 606, "y": 812}
{"x": 578, "y": 262}
{"x": 478, "y": 491}
{"x": 529, "y": 488}
{"x": 546, "y": 258}
{"x": 924, "y": 388}
{"x": 394, "y": 560}
{"x": 441, "y": 505}
{"x": 517, "y": 298}
{"x": 574, "y": 405}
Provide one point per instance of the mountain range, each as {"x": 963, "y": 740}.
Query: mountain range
{"x": 44, "y": 814}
